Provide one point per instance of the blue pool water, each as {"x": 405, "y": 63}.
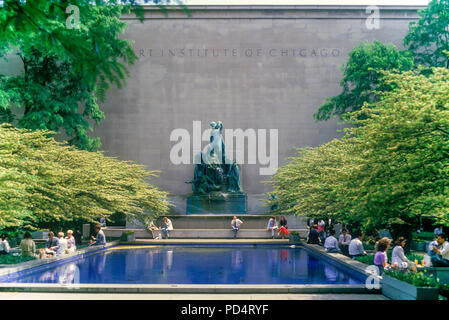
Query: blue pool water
{"x": 197, "y": 265}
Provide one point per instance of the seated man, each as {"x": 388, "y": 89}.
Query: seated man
{"x": 100, "y": 240}
{"x": 235, "y": 224}
{"x": 331, "y": 243}
{"x": 52, "y": 242}
{"x": 356, "y": 248}
{"x": 441, "y": 258}
{"x": 272, "y": 226}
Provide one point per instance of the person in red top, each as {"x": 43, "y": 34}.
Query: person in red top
{"x": 283, "y": 229}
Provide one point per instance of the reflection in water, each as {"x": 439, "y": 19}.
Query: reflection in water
{"x": 237, "y": 259}
{"x": 65, "y": 274}
{"x": 331, "y": 273}
{"x": 199, "y": 265}
{"x": 168, "y": 259}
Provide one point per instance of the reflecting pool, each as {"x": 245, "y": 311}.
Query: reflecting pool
{"x": 196, "y": 265}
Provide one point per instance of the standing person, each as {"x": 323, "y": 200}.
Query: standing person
{"x": 78, "y": 237}
{"x": 313, "y": 237}
{"x": 71, "y": 243}
{"x": 398, "y": 257}
{"x": 380, "y": 258}
{"x": 100, "y": 240}
{"x": 61, "y": 248}
{"x": 27, "y": 246}
{"x": 344, "y": 240}
{"x": 441, "y": 256}
{"x": 272, "y": 225}
{"x": 168, "y": 226}
{"x": 236, "y": 224}
{"x": 331, "y": 243}
{"x": 356, "y": 248}
{"x": 4, "y": 244}
{"x": 283, "y": 229}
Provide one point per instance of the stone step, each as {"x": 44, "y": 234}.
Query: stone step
{"x": 201, "y": 233}
{"x": 222, "y": 221}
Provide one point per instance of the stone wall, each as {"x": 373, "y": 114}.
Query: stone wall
{"x": 252, "y": 67}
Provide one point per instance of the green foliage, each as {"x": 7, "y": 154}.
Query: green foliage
{"x": 42, "y": 180}
{"x": 391, "y": 167}
{"x": 428, "y": 38}
{"x": 10, "y": 259}
{"x": 66, "y": 69}
{"x": 419, "y": 279}
{"x": 362, "y": 76}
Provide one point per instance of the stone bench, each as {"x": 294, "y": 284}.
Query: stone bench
{"x": 201, "y": 233}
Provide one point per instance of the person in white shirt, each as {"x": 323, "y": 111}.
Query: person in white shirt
{"x": 168, "y": 226}
{"x": 344, "y": 240}
{"x": 62, "y": 245}
{"x": 4, "y": 244}
{"x": 272, "y": 226}
{"x": 235, "y": 224}
{"x": 331, "y": 243}
{"x": 356, "y": 248}
{"x": 71, "y": 245}
{"x": 441, "y": 258}
{"x": 398, "y": 258}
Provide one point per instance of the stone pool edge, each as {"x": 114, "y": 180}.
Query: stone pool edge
{"x": 5, "y": 270}
{"x": 185, "y": 288}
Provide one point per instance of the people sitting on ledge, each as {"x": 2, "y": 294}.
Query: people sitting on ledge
{"x": 331, "y": 243}
{"x": 100, "y": 239}
{"x": 398, "y": 258}
{"x": 235, "y": 224}
{"x": 344, "y": 240}
{"x": 61, "y": 248}
{"x": 166, "y": 227}
{"x": 440, "y": 258}
{"x": 356, "y": 248}
{"x": 4, "y": 244}
{"x": 27, "y": 246}
{"x": 380, "y": 258}
{"x": 313, "y": 237}
{"x": 283, "y": 229}
{"x": 272, "y": 226}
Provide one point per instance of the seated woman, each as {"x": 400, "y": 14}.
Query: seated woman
{"x": 27, "y": 246}
{"x": 398, "y": 258}
{"x": 283, "y": 229}
{"x": 4, "y": 244}
{"x": 71, "y": 244}
{"x": 168, "y": 226}
{"x": 380, "y": 258}
{"x": 151, "y": 227}
{"x": 272, "y": 225}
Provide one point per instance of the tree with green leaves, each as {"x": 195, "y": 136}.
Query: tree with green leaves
{"x": 362, "y": 76}
{"x": 42, "y": 180}
{"x": 68, "y": 65}
{"x": 428, "y": 38}
{"x": 391, "y": 168}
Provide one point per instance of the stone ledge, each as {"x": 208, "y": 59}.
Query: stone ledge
{"x": 183, "y": 288}
{"x": 201, "y": 233}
